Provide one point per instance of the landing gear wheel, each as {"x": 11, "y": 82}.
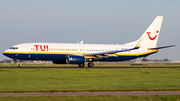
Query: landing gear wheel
{"x": 81, "y": 65}
{"x": 20, "y": 65}
{"x": 90, "y": 64}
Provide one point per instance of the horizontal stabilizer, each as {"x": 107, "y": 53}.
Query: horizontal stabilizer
{"x": 161, "y": 47}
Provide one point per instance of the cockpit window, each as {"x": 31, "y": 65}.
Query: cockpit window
{"x": 14, "y": 48}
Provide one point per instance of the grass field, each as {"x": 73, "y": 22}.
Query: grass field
{"x": 95, "y": 98}
{"x": 85, "y": 79}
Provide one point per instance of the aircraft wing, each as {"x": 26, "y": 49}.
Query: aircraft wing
{"x": 110, "y": 53}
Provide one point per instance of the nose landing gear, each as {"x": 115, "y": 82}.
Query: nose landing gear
{"x": 20, "y": 63}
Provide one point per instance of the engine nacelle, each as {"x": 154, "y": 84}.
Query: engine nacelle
{"x": 74, "y": 59}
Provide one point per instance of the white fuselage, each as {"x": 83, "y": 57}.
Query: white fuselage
{"x": 51, "y": 51}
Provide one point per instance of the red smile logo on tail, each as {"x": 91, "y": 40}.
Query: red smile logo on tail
{"x": 150, "y": 36}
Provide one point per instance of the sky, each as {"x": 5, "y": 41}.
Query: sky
{"x": 93, "y": 21}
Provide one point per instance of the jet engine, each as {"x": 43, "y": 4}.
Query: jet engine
{"x": 74, "y": 59}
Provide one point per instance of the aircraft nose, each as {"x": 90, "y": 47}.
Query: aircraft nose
{"x": 8, "y": 53}
{"x": 5, "y": 52}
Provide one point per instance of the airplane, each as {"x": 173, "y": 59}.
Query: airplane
{"x": 75, "y": 53}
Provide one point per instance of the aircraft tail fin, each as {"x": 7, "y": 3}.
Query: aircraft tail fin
{"x": 150, "y": 36}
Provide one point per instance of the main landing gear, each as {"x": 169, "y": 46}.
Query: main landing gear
{"x": 81, "y": 65}
{"x": 90, "y": 64}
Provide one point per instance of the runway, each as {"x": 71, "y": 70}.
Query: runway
{"x": 91, "y": 93}
{"x": 84, "y": 67}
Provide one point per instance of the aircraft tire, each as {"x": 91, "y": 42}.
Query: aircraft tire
{"x": 81, "y": 65}
{"x": 20, "y": 65}
{"x": 90, "y": 64}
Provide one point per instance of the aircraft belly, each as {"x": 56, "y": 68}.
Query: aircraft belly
{"x": 37, "y": 56}
{"x": 121, "y": 58}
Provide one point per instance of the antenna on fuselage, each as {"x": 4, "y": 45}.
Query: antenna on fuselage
{"x": 81, "y": 42}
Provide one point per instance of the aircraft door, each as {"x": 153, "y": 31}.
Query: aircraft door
{"x": 26, "y": 49}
